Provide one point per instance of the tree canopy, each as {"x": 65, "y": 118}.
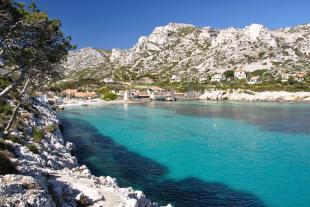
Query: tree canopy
{"x": 32, "y": 45}
{"x": 32, "y": 48}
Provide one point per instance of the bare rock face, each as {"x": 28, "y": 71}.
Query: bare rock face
{"x": 189, "y": 51}
{"x": 19, "y": 190}
{"x": 52, "y": 177}
{"x": 81, "y": 186}
{"x": 240, "y": 95}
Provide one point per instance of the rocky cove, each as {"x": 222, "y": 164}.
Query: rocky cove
{"x": 51, "y": 176}
{"x": 267, "y": 96}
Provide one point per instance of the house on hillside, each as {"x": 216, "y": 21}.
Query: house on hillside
{"x": 175, "y": 78}
{"x": 155, "y": 89}
{"x": 254, "y": 80}
{"x": 286, "y": 76}
{"x": 86, "y": 95}
{"x": 203, "y": 80}
{"x": 108, "y": 80}
{"x": 156, "y": 93}
{"x": 218, "y": 77}
{"x": 240, "y": 74}
{"x": 133, "y": 94}
{"x": 69, "y": 92}
{"x": 300, "y": 76}
{"x": 143, "y": 95}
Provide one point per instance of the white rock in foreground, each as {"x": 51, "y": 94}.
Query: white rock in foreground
{"x": 53, "y": 178}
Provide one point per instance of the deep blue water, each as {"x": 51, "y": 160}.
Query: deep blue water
{"x": 199, "y": 154}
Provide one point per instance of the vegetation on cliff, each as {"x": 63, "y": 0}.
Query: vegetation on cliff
{"x": 31, "y": 48}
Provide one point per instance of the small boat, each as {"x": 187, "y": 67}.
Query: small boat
{"x": 170, "y": 99}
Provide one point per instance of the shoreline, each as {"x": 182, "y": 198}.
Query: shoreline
{"x": 87, "y": 103}
{"x": 250, "y": 96}
{"x": 52, "y": 173}
{"x": 97, "y": 103}
{"x": 212, "y": 96}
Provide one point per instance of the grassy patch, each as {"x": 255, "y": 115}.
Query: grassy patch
{"x": 32, "y": 148}
{"x": 83, "y": 201}
{"x": 109, "y": 96}
{"x": 38, "y": 135}
{"x": 51, "y": 128}
{"x": 14, "y": 139}
{"x": 5, "y": 108}
{"x": 106, "y": 94}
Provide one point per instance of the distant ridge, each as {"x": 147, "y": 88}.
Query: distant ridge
{"x": 190, "y": 52}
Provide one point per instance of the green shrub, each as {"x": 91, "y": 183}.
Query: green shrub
{"x": 38, "y": 135}
{"x": 109, "y": 96}
{"x": 106, "y": 94}
{"x": 83, "y": 201}
{"x": 259, "y": 72}
{"x": 14, "y": 139}
{"x": 103, "y": 91}
{"x": 51, "y": 128}
{"x": 229, "y": 74}
{"x": 4, "y": 82}
{"x": 32, "y": 148}
{"x": 5, "y": 108}
{"x": 6, "y": 165}
{"x": 291, "y": 80}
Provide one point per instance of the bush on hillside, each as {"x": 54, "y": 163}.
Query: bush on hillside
{"x": 291, "y": 80}
{"x": 5, "y": 109}
{"x": 229, "y": 74}
{"x": 51, "y": 128}
{"x": 109, "y": 96}
{"x": 38, "y": 135}
{"x": 103, "y": 91}
{"x": 14, "y": 139}
{"x": 83, "y": 201}
{"x": 106, "y": 94}
{"x": 32, "y": 148}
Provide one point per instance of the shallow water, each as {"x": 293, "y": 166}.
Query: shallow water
{"x": 199, "y": 154}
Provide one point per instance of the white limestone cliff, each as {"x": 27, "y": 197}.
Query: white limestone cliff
{"x": 52, "y": 177}
{"x": 250, "y": 96}
{"x": 193, "y": 51}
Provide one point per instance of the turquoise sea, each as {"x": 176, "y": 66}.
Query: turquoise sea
{"x": 199, "y": 153}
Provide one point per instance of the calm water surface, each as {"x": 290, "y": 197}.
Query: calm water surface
{"x": 199, "y": 154}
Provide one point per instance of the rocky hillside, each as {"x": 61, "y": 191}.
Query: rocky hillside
{"x": 37, "y": 168}
{"x": 190, "y": 52}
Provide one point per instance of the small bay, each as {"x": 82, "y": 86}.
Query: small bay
{"x": 199, "y": 153}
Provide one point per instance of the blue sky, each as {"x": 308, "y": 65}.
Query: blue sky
{"x": 119, "y": 23}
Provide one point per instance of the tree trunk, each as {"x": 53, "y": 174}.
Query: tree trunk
{"x": 7, "y": 128}
{"x": 14, "y": 84}
{"x": 6, "y": 90}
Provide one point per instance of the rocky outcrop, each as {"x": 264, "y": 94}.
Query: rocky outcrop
{"x": 270, "y": 96}
{"x": 51, "y": 176}
{"x": 21, "y": 190}
{"x": 190, "y": 52}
